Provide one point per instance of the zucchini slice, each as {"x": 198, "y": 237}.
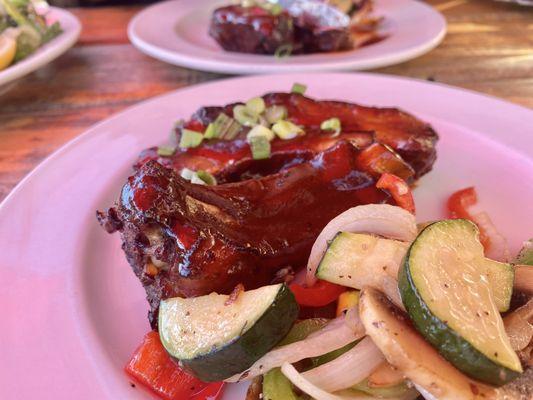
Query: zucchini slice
{"x": 451, "y": 292}
{"x": 355, "y": 260}
{"x": 215, "y": 338}
{"x": 407, "y": 350}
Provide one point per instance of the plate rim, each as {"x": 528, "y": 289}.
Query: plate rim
{"x": 40, "y": 59}
{"x": 233, "y": 67}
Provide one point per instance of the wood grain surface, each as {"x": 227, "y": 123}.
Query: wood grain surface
{"x": 488, "y": 48}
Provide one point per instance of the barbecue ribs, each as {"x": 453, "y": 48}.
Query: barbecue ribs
{"x": 184, "y": 239}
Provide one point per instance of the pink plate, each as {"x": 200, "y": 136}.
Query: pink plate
{"x": 72, "y": 310}
{"x": 176, "y": 32}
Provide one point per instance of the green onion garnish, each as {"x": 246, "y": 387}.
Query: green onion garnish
{"x": 243, "y": 116}
{"x": 206, "y": 177}
{"x": 226, "y": 128}
{"x": 332, "y": 124}
{"x": 260, "y": 130}
{"x": 298, "y": 88}
{"x": 274, "y": 114}
{"x": 165, "y": 151}
{"x": 255, "y": 106}
{"x": 260, "y": 147}
{"x": 287, "y": 130}
{"x": 187, "y": 173}
{"x": 190, "y": 138}
{"x": 210, "y": 132}
{"x": 199, "y": 177}
{"x": 283, "y": 51}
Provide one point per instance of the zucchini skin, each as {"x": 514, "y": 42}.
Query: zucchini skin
{"x": 237, "y": 356}
{"x": 448, "y": 343}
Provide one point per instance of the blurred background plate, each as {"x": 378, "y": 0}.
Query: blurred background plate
{"x": 177, "y": 32}
{"x": 521, "y": 2}
{"x": 71, "y": 30}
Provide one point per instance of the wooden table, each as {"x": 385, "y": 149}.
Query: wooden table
{"x": 489, "y": 48}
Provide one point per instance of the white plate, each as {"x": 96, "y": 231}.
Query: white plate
{"x": 177, "y": 32}
{"x": 71, "y": 31}
{"x": 73, "y": 311}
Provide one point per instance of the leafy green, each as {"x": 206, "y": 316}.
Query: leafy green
{"x": 4, "y": 23}
{"x": 33, "y": 28}
{"x": 15, "y": 12}
{"x": 21, "y": 4}
{"x": 52, "y": 32}
{"x": 27, "y": 43}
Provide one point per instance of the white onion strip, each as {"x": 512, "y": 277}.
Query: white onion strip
{"x": 333, "y": 336}
{"x": 424, "y": 392}
{"x": 498, "y": 248}
{"x": 348, "y": 369}
{"x": 318, "y": 394}
{"x": 305, "y": 386}
{"x": 389, "y": 286}
{"x": 379, "y": 219}
{"x": 518, "y": 326}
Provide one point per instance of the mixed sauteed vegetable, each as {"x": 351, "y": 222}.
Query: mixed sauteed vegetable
{"x": 217, "y": 223}
{"x": 23, "y": 29}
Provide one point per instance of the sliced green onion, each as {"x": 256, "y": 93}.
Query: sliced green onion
{"x": 206, "y": 177}
{"x": 287, "y": 130}
{"x": 211, "y": 131}
{"x": 165, "y": 151}
{"x": 260, "y": 147}
{"x": 187, "y": 173}
{"x": 255, "y": 106}
{"x": 196, "y": 180}
{"x": 225, "y": 127}
{"x": 232, "y": 131}
{"x": 299, "y": 88}
{"x": 222, "y": 123}
{"x": 283, "y": 51}
{"x": 274, "y": 114}
{"x": 190, "y": 138}
{"x": 260, "y": 130}
{"x": 332, "y": 124}
{"x": 199, "y": 177}
{"x": 243, "y": 116}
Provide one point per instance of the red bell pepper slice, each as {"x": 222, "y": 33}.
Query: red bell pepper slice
{"x": 152, "y": 367}
{"x": 399, "y": 190}
{"x": 459, "y": 205}
{"x": 320, "y": 294}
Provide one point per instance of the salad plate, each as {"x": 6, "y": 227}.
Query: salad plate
{"x": 73, "y": 312}
{"x": 176, "y": 32}
{"x": 71, "y": 29}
